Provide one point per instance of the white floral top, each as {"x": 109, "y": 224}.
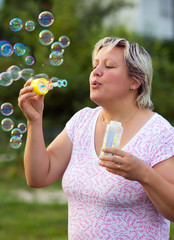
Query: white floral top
{"x": 105, "y": 206}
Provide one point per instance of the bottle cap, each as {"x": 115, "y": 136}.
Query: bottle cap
{"x": 116, "y": 125}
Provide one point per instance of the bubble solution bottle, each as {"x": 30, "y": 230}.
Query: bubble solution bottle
{"x": 112, "y": 135}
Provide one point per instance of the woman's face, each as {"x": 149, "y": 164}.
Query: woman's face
{"x": 109, "y": 80}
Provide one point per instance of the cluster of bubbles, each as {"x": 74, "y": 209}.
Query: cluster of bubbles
{"x": 14, "y": 72}
{"x": 7, "y": 125}
{"x": 46, "y": 37}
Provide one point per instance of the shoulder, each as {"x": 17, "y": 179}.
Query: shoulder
{"x": 160, "y": 124}
{"x": 162, "y": 137}
{"x": 84, "y": 115}
{"x": 81, "y": 120}
{"x": 86, "y": 112}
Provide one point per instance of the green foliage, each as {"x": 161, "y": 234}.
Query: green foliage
{"x": 83, "y": 23}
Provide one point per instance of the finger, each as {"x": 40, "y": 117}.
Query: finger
{"x": 28, "y": 82}
{"x": 115, "y": 159}
{"x": 114, "y": 151}
{"x": 107, "y": 158}
{"x": 110, "y": 164}
{"x": 118, "y": 172}
{"x": 25, "y": 90}
{"x": 24, "y": 97}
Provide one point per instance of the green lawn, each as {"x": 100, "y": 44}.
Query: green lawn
{"x": 20, "y": 220}
{"x": 30, "y": 221}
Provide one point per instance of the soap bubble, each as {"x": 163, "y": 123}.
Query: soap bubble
{"x": 27, "y": 73}
{"x": 16, "y": 24}
{"x": 15, "y": 72}
{"x": 15, "y": 142}
{"x": 2, "y": 42}
{"x": 16, "y": 132}
{"x": 65, "y": 41}
{"x": 55, "y": 59}
{"x": 19, "y": 49}
{"x": 7, "y": 109}
{"x": 46, "y": 37}
{"x": 54, "y": 79}
{"x": 7, "y": 124}
{"x": 6, "y": 50}
{"x": 46, "y": 19}
{"x": 58, "y": 47}
{"x": 29, "y": 60}
{"x": 29, "y": 26}
{"x": 41, "y": 75}
{"x": 5, "y": 79}
{"x": 22, "y": 127}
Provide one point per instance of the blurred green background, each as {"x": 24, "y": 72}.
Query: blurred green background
{"x": 83, "y": 22}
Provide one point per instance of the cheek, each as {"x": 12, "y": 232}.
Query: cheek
{"x": 90, "y": 76}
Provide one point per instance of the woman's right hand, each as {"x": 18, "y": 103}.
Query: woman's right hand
{"x": 32, "y": 105}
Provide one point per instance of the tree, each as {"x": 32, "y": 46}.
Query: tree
{"x": 82, "y": 22}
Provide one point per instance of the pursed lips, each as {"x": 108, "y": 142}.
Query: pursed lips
{"x": 95, "y": 84}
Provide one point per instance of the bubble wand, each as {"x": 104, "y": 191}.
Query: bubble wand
{"x": 41, "y": 86}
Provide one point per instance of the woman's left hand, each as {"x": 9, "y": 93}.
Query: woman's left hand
{"x": 124, "y": 164}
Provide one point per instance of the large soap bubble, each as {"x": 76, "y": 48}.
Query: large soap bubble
{"x": 46, "y": 19}
{"x": 5, "y": 79}
{"x": 15, "y": 142}
{"x": 27, "y": 73}
{"x": 16, "y": 24}
{"x": 14, "y": 70}
{"x": 6, "y": 50}
{"x": 29, "y": 60}
{"x": 7, "y": 124}
{"x": 29, "y": 26}
{"x": 65, "y": 41}
{"x": 46, "y": 37}
{"x": 2, "y": 43}
{"x": 19, "y": 49}
{"x": 22, "y": 127}
{"x": 58, "y": 47}
{"x": 55, "y": 58}
{"x": 7, "y": 109}
{"x": 41, "y": 75}
{"x": 16, "y": 132}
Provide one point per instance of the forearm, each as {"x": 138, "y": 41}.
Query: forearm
{"x": 160, "y": 192}
{"x": 36, "y": 159}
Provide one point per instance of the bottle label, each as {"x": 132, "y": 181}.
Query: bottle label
{"x": 111, "y": 139}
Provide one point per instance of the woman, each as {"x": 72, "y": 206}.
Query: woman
{"x": 129, "y": 195}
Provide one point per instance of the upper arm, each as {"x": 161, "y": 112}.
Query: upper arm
{"x": 166, "y": 169}
{"x": 59, "y": 152}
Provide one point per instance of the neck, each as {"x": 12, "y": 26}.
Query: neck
{"x": 123, "y": 114}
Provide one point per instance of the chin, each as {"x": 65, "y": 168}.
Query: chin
{"x": 96, "y": 99}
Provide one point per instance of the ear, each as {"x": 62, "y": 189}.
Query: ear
{"x": 135, "y": 83}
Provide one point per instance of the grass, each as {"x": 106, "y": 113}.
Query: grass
{"x": 20, "y": 220}
{"x": 30, "y": 221}
{"x": 33, "y": 221}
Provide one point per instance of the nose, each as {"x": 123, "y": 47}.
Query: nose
{"x": 97, "y": 71}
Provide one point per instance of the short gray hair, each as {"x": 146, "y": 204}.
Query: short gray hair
{"x": 139, "y": 65}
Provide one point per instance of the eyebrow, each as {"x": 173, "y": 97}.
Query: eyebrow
{"x": 106, "y": 59}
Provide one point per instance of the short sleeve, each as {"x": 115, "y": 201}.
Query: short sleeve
{"x": 74, "y": 123}
{"x": 163, "y": 144}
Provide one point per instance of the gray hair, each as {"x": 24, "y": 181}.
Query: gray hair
{"x": 139, "y": 65}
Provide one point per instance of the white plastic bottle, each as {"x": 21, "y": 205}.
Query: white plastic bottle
{"x": 112, "y": 135}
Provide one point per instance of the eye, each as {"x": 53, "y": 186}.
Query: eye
{"x": 109, "y": 66}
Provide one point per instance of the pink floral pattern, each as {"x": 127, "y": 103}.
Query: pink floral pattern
{"x": 105, "y": 206}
